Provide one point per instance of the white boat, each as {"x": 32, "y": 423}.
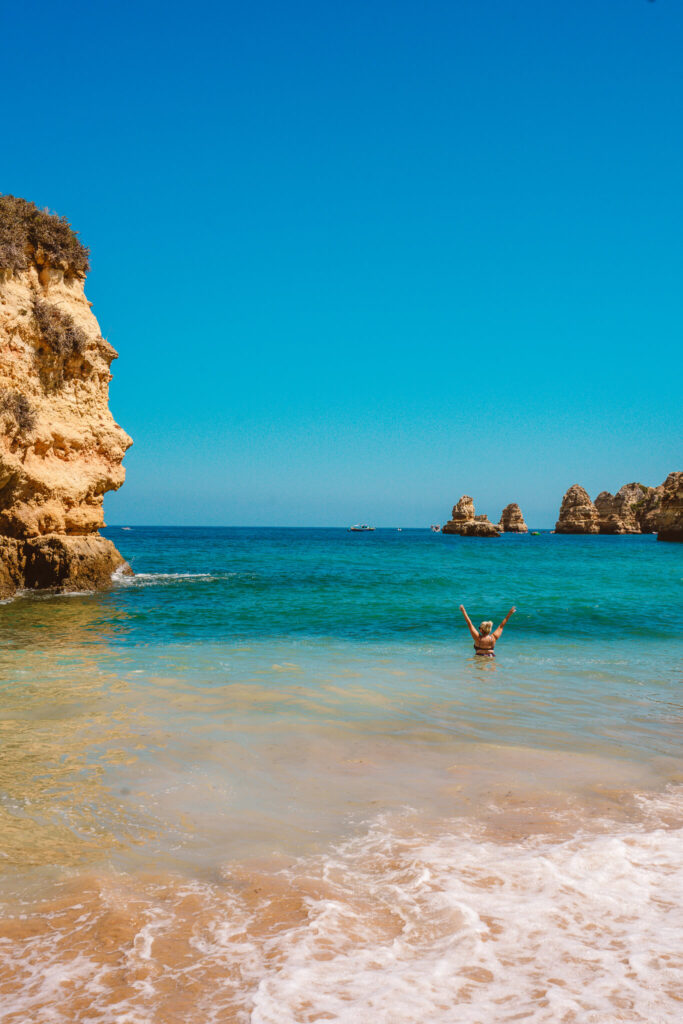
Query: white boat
{"x": 360, "y": 528}
{"x": 435, "y": 528}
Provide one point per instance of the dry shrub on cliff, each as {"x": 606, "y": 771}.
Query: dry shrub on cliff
{"x": 58, "y": 330}
{"x": 17, "y": 407}
{"x": 25, "y": 230}
{"x": 62, "y": 339}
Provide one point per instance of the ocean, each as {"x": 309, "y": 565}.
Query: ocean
{"x": 266, "y": 780}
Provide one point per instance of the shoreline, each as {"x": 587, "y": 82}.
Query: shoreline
{"x": 267, "y": 779}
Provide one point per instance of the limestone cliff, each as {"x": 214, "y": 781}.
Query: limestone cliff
{"x": 578, "y": 514}
{"x": 481, "y": 527}
{"x": 60, "y": 449}
{"x": 464, "y": 522}
{"x": 463, "y": 512}
{"x": 648, "y": 508}
{"x": 671, "y": 509}
{"x": 617, "y": 512}
{"x": 512, "y": 520}
{"x": 635, "y": 508}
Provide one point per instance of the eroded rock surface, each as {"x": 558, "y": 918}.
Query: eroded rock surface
{"x": 60, "y": 449}
{"x": 512, "y": 520}
{"x": 671, "y": 509}
{"x": 481, "y": 527}
{"x": 635, "y": 508}
{"x": 464, "y": 521}
{"x": 578, "y": 514}
{"x": 648, "y": 508}
{"x": 618, "y": 512}
{"x": 57, "y": 562}
{"x": 463, "y": 512}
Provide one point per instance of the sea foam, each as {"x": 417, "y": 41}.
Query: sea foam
{"x": 398, "y": 925}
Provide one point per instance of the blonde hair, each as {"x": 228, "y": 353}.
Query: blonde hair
{"x": 485, "y": 628}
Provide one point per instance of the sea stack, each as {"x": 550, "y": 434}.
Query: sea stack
{"x": 463, "y": 521}
{"x": 512, "y": 520}
{"x": 481, "y": 527}
{"x": 578, "y": 514}
{"x": 633, "y": 509}
{"x": 60, "y": 449}
{"x": 671, "y": 509}
{"x": 617, "y": 512}
{"x": 463, "y": 512}
{"x": 648, "y": 508}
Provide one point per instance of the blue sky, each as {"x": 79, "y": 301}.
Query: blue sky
{"x": 361, "y": 258}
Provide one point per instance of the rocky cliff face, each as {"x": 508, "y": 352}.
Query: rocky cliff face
{"x": 464, "y": 522}
{"x": 671, "y": 509}
{"x": 648, "y": 508}
{"x": 578, "y": 514}
{"x": 512, "y": 520}
{"x": 463, "y": 512}
{"x": 635, "y": 508}
{"x": 481, "y": 527}
{"x": 60, "y": 449}
{"x": 617, "y": 512}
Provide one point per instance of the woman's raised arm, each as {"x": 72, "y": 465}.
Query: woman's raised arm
{"x": 509, "y": 615}
{"x": 473, "y": 631}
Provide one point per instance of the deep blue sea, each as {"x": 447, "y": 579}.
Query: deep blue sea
{"x": 265, "y": 779}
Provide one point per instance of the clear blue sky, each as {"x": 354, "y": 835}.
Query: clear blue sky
{"x": 361, "y": 257}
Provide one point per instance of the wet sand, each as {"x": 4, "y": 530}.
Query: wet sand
{"x": 531, "y": 914}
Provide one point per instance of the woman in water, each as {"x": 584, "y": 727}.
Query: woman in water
{"x": 484, "y": 639}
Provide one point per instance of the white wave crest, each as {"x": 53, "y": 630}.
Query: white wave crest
{"x": 142, "y": 579}
{"x": 409, "y": 929}
{"x": 397, "y": 926}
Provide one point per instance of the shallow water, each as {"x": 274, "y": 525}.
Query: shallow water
{"x": 266, "y": 780}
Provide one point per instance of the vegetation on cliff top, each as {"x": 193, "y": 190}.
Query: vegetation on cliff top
{"x": 27, "y": 232}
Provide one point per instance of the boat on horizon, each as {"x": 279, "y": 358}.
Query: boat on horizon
{"x": 435, "y": 528}
{"x": 360, "y": 528}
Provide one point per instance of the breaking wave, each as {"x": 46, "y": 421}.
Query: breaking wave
{"x": 145, "y": 579}
{"x": 399, "y": 925}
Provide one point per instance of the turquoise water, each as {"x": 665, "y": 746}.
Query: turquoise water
{"x": 298, "y": 714}
{"x": 592, "y": 652}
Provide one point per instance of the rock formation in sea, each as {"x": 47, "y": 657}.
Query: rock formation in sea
{"x": 648, "y": 508}
{"x": 512, "y": 520}
{"x": 578, "y": 514}
{"x": 463, "y": 512}
{"x": 481, "y": 527}
{"x": 635, "y": 508}
{"x": 617, "y": 512}
{"x": 671, "y": 509}
{"x": 464, "y": 522}
{"x": 60, "y": 449}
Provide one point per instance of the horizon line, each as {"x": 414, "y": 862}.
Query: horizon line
{"x": 271, "y": 526}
